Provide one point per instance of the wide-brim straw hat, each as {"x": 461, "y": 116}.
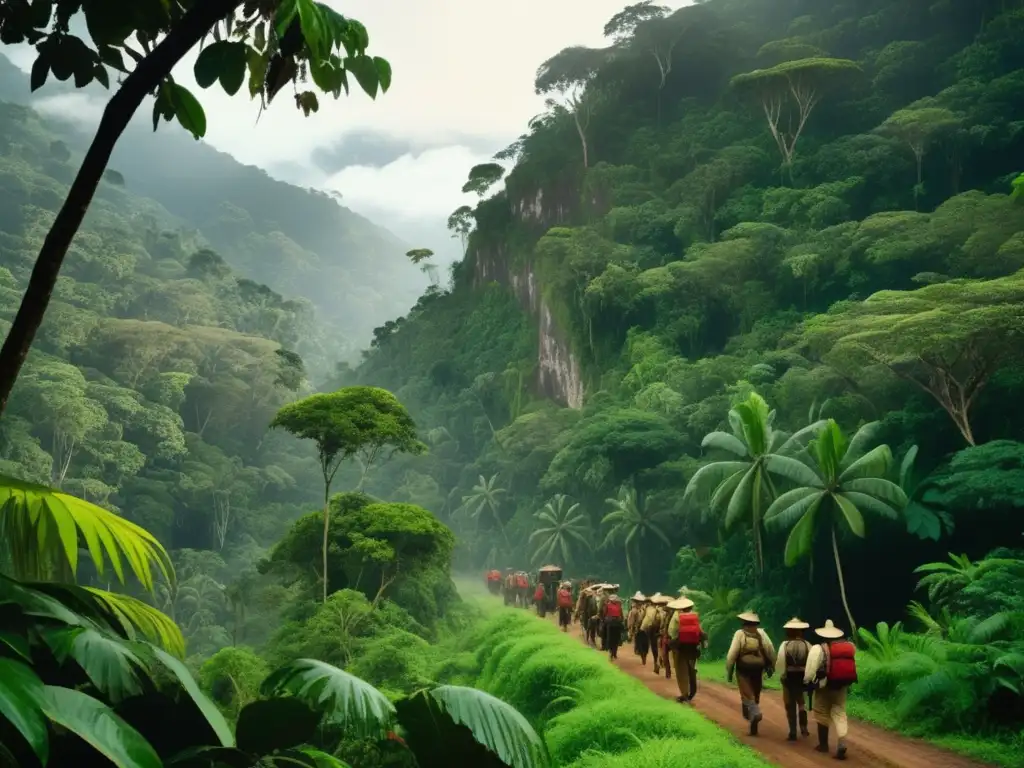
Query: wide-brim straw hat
{"x": 612, "y": 587}
{"x": 660, "y": 599}
{"x": 681, "y": 604}
{"x": 749, "y": 617}
{"x": 615, "y": 599}
{"x": 795, "y": 623}
{"x": 640, "y": 597}
{"x": 830, "y": 631}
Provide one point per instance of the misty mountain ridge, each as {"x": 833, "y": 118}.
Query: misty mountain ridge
{"x": 299, "y": 242}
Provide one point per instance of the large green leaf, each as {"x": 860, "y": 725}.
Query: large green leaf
{"x": 794, "y": 470}
{"x": 21, "y": 698}
{"x": 110, "y": 664}
{"x": 359, "y": 708}
{"x": 874, "y": 463}
{"x": 213, "y": 715}
{"x": 884, "y": 490}
{"x": 723, "y": 441}
{"x": 449, "y": 724}
{"x": 40, "y": 527}
{"x": 96, "y": 724}
{"x": 790, "y": 506}
{"x": 801, "y": 537}
{"x": 740, "y": 501}
{"x": 853, "y": 517}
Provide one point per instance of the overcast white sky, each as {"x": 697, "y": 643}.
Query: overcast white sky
{"x": 463, "y": 88}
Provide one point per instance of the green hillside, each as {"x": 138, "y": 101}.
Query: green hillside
{"x": 698, "y": 260}
{"x": 300, "y": 242}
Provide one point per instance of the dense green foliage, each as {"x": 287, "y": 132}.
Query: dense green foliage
{"x": 801, "y": 206}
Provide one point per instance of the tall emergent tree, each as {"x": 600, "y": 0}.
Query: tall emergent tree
{"x": 789, "y": 92}
{"x": 838, "y": 480}
{"x": 919, "y": 128}
{"x": 482, "y": 177}
{"x": 569, "y": 73}
{"x": 460, "y": 224}
{"x": 353, "y": 422}
{"x": 948, "y": 339}
{"x": 270, "y": 43}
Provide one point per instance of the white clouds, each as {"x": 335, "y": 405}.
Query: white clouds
{"x": 424, "y": 186}
{"x": 462, "y": 68}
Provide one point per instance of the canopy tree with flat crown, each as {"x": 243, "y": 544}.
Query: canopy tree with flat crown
{"x": 354, "y": 422}
{"x": 789, "y": 92}
{"x": 947, "y": 339}
{"x": 570, "y": 73}
{"x": 269, "y": 43}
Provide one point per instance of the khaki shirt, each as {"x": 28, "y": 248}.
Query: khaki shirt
{"x": 737, "y": 644}
{"x": 650, "y": 618}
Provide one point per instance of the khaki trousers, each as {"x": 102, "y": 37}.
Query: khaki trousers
{"x": 685, "y": 659}
{"x": 830, "y": 709}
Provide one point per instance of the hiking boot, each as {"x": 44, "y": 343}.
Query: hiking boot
{"x": 841, "y": 749}
{"x": 682, "y": 699}
{"x": 745, "y": 710}
{"x": 803, "y": 724}
{"x": 753, "y": 724}
{"x": 822, "y": 739}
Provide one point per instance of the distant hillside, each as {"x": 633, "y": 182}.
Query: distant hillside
{"x": 300, "y": 242}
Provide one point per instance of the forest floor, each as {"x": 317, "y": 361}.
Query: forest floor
{"x": 868, "y": 745}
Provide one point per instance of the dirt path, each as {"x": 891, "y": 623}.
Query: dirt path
{"x": 868, "y": 745}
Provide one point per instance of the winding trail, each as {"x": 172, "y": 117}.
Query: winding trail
{"x": 868, "y": 744}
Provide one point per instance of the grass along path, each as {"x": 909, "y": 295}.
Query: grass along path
{"x": 591, "y": 715}
{"x": 868, "y": 745}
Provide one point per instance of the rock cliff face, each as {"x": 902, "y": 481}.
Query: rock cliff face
{"x": 558, "y": 369}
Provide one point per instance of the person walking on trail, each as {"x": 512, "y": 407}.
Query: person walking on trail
{"x": 636, "y": 617}
{"x": 793, "y": 652}
{"x": 564, "y": 598}
{"x": 685, "y": 640}
{"x": 591, "y": 610}
{"x": 664, "y": 655}
{"x": 613, "y": 622}
{"x": 649, "y": 629}
{"x": 653, "y": 622}
{"x": 832, "y": 667}
{"x": 581, "y": 603}
{"x": 509, "y": 587}
{"x": 750, "y": 656}
{"x": 603, "y": 594}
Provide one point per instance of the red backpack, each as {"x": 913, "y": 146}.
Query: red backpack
{"x": 689, "y": 629}
{"x": 614, "y": 610}
{"x": 842, "y": 668}
{"x": 564, "y": 598}
{"x": 522, "y": 582}
{"x": 538, "y": 593}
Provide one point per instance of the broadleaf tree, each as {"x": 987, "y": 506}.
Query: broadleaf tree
{"x": 354, "y": 422}
{"x": 270, "y": 44}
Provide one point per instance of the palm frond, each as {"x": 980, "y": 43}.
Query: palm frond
{"x": 40, "y": 528}
{"x": 343, "y": 699}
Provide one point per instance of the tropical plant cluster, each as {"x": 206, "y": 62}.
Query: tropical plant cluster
{"x": 744, "y": 315}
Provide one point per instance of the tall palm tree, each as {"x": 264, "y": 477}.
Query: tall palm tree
{"x": 485, "y": 498}
{"x": 837, "y": 481}
{"x": 566, "y": 527}
{"x": 630, "y": 523}
{"x": 741, "y": 489}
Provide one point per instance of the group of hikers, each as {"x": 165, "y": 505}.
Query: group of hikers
{"x": 815, "y": 675}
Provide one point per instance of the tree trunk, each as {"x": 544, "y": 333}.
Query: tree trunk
{"x": 842, "y": 583}
{"x": 583, "y": 137}
{"x": 149, "y": 73}
{"x": 327, "y": 525}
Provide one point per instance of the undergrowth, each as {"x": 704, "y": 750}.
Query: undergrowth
{"x": 591, "y": 715}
